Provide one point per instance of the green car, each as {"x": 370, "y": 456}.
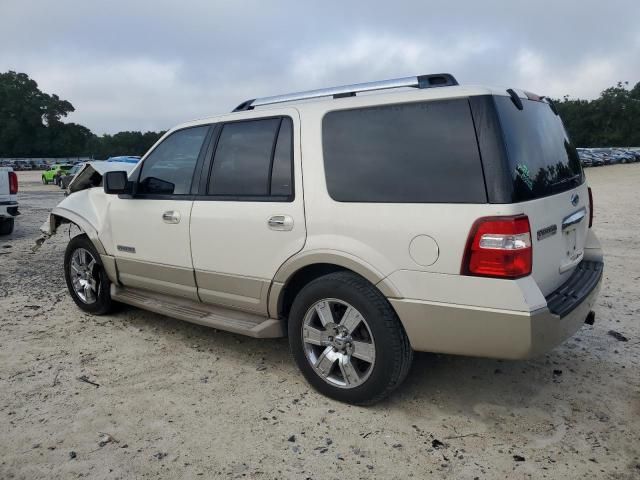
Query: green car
{"x": 54, "y": 172}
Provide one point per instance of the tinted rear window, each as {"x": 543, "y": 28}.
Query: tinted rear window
{"x": 542, "y": 161}
{"x": 411, "y": 153}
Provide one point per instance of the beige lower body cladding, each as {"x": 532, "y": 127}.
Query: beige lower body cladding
{"x": 482, "y": 332}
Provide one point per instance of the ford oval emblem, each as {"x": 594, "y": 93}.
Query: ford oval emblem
{"x": 575, "y": 198}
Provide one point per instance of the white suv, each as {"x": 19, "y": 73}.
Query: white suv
{"x": 429, "y": 217}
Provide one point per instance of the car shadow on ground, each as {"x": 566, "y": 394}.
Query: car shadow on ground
{"x": 455, "y": 383}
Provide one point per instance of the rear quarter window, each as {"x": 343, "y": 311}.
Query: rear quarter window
{"x": 403, "y": 153}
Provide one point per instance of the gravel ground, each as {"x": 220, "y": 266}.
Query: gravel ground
{"x": 177, "y": 400}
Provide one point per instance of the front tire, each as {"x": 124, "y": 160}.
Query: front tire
{"x": 86, "y": 278}
{"x": 347, "y": 340}
{"x": 44, "y": 180}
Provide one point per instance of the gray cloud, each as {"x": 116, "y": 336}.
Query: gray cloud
{"x": 151, "y": 64}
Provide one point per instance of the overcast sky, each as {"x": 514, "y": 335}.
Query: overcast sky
{"x": 148, "y": 65}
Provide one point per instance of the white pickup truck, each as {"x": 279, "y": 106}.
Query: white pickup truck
{"x": 8, "y": 199}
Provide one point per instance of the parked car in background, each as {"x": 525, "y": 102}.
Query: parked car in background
{"x": 624, "y": 155}
{"x": 66, "y": 177}
{"x": 40, "y": 165}
{"x": 585, "y": 158}
{"x": 8, "y": 200}
{"x": 124, "y": 158}
{"x": 54, "y": 172}
{"x": 25, "y": 165}
{"x": 603, "y": 154}
{"x": 614, "y": 157}
{"x": 596, "y": 159}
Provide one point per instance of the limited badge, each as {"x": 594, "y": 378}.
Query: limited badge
{"x": 547, "y": 232}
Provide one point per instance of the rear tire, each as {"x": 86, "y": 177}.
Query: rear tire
{"x": 86, "y": 278}
{"x": 347, "y": 340}
{"x": 6, "y": 226}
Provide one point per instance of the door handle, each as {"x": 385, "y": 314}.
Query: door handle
{"x": 171, "y": 217}
{"x": 280, "y": 222}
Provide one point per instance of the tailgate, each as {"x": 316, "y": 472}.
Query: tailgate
{"x": 547, "y": 182}
{"x": 559, "y": 227}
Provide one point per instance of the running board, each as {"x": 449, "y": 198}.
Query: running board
{"x": 234, "y": 321}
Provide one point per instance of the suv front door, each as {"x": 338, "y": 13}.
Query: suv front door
{"x": 249, "y": 217}
{"x": 150, "y": 229}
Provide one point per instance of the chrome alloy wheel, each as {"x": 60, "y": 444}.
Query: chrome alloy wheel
{"x": 84, "y": 276}
{"x": 338, "y": 343}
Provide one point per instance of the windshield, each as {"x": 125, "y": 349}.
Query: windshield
{"x": 542, "y": 160}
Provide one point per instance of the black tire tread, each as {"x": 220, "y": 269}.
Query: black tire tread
{"x": 6, "y": 226}
{"x": 104, "y": 305}
{"x": 402, "y": 354}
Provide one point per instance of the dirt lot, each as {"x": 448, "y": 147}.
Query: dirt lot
{"x": 182, "y": 401}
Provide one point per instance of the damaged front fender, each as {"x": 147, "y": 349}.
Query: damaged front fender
{"x": 60, "y": 216}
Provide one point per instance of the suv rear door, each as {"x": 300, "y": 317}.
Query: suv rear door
{"x": 249, "y": 217}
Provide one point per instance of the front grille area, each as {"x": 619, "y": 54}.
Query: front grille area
{"x": 571, "y": 294}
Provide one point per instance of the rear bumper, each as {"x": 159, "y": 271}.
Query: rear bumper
{"x": 9, "y": 209}
{"x": 487, "y": 332}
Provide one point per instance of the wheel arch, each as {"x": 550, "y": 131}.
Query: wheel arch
{"x": 298, "y": 271}
{"x": 60, "y": 216}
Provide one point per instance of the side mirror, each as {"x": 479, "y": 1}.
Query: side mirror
{"x": 116, "y": 183}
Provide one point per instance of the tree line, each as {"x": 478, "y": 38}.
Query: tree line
{"x": 31, "y": 123}
{"x": 31, "y": 126}
{"x": 611, "y": 120}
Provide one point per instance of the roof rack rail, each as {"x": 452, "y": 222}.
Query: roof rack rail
{"x": 419, "y": 81}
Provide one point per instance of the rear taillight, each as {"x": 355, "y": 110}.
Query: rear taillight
{"x": 590, "y": 208}
{"x": 499, "y": 247}
{"x": 13, "y": 183}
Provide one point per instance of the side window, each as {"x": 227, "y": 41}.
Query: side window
{"x": 282, "y": 172}
{"x": 253, "y": 158}
{"x": 404, "y": 153}
{"x": 169, "y": 168}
